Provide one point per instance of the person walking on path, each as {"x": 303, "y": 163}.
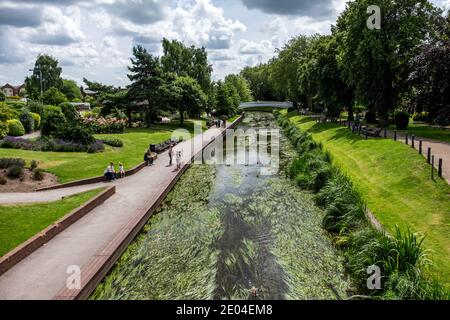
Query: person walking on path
{"x": 170, "y": 155}
{"x": 178, "y": 159}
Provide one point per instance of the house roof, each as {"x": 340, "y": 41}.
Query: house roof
{"x": 12, "y": 87}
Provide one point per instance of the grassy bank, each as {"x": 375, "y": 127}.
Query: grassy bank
{"x": 343, "y": 195}
{"x": 69, "y": 166}
{"x": 425, "y": 131}
{"x": 20, "y": 222}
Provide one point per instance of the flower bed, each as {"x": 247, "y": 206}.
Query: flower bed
{"x": 50, "y": 144}
{"x": 105, "y": 125}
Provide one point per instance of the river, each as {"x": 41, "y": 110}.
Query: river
{"x": 230, "y": 232}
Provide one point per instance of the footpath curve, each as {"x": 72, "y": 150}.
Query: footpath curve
{"x": 96, "y": 240}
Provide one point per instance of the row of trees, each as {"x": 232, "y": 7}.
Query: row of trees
{"x": 403, "y": 65}
{"x": 178, "y": 81}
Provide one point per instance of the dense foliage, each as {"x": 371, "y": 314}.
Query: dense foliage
{"x": 404, "y": 65}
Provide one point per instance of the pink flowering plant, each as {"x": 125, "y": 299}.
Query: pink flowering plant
{"x": 105, "y": 124}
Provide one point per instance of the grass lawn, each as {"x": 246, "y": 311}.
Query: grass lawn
{"x": 20, "y": 222}
{"x": 425, "y": 131}
{"x": 395, "y": 182}
{"x": 69, "y": 166}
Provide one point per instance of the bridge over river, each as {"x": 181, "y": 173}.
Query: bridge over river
{"x": 257, "y": 105}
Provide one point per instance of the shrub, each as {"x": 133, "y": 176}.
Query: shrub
{"x": 38, "y": 174}
{"x": 4, "y": 128}
{"x": 3, "y": 180}
{"x": 54, "y": 97}
{"x": 7, "y": 113}
{"x": 95, "y": 147}
{"x": 36, "y": 120}
{"x": 421, "y": 116}
{"x": 27, "y": 121}
{"x": 113, "y": 142}
{"x": 2, "y": 96}
{"x": 75, "y": 132}
{"x": 33, "y": 165}
{"x": 401, "y": 120}
{"x": 69, "y": 111}
{"x": 52, "y": 118}
{"x": 48, "y": 144}
{"x": 36, "y": 107}
{"x": 15, "y": 172}
{"x": 370, "y": 117}
{"x": 15, "y": 128}
{"x": 9, "y": 162}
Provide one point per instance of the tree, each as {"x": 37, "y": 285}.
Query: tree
{"x": 187, "y": 61}
{"x": 284, "y": 69}
{"x": 260, "y": 82}
{"x": 430, "y": 80}
{"x": 375, "y": 62}
{"x": 52, "y": 118}
{"x": 187, "y": 95}
{"x": 54, "y": 97}
{"x": 51, "y": 76}
{"x": 71, "y": 90}
{"x": 320, "y": 76}
{"x": 119, "y": 101}
{"x": 2, "y": 96}
{"x": 241, "y": 85}
{"x": 226, "y": 99}
{"x": 146, "y": 77}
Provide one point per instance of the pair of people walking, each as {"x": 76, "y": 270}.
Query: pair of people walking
{"x": 178, "y": 155}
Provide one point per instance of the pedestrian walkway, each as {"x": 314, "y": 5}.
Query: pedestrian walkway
{"x": 42, "y": 274}
{"x": 440, "y": 150}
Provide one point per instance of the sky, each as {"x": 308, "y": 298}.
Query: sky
{"x": 94, "y": 38}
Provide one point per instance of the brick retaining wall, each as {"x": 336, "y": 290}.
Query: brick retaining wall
{"x": 25, "y": 249}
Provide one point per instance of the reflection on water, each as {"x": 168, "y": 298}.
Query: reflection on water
{"x": 229, "y": 232}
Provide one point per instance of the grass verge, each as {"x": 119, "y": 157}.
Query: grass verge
{"x": 20, "y": 222}
{"x": 403, "y": 262}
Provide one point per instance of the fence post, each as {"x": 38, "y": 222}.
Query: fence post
{"x": 420, "y": 147}
{"x": 432, "y": 167}
{"x": 406, "y": 138}
{"x": 429, "y": 155}
{"x": 395, "y": 135}
{"x": 385, "y": 133}
{"x": 412, "y": 141}
{"x": 440, "y": 168}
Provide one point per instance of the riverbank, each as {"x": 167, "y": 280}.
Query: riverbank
{"x": 225, "y": 230}
{"x": 408, "y": 277}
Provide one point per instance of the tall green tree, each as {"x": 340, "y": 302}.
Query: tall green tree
{"x": 226, "y": 99}
{"x": 241, "y": 85}
{"x": 430, "y": 75}
{"x": 320, "y": 77}
{"x": 51, "y": 76}
{"x": 71, "y": 90}
{"x": 188, "y": 96}
{"x": 147, "y": 77}
{"x": 284, "y": 69}
{"x": 375, "y": 61}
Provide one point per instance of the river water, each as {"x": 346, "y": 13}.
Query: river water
{"x": 230, "y": 232}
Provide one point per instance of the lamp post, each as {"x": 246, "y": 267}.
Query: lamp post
{"x": 40, "y": 81}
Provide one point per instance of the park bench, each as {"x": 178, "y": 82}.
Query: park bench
{"x": 163, "y": 146}
{"x": 371, "y": 132}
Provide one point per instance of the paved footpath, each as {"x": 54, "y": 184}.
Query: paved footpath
{"x": 42, "y": 274}
{"x": 440, "y": 150}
